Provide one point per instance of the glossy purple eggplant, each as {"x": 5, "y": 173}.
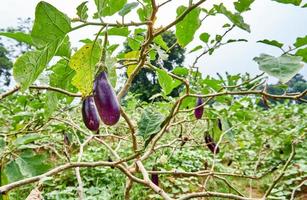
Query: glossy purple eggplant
{"x": 106, "y": 100}
{"x": 211, "y": 144}
{"x": 89, "y": 114}
{"x": 198, "y": 112}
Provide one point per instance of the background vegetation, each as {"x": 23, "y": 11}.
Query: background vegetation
{"x": 47, "y": 153}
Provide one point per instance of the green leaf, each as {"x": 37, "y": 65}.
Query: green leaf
{"x": 127, "y": 8}
{"x": 271, "y": 42}
{"x": 50, "y": 103}
{"x": 235, "y": 18}
{"x": 83, "y": 62}
{"x": 31, "y": 164}
{"x": 243, "y": 5}
{"x": 108, "y": 7}
{"x": 149, "y": 123}
{"x": 294, "y": 2}
{"x": 204, "y": 37}
{"x": 181, "y": 71}
{"x": 304, "y": 6}
{"x": 64, "y": 49}
{"x": 119, "y": 31}
{"x": 12, "y": 172}
{"x": 18, "y": 36}
{"x": 82, "y": 11}
{"x": 28, "y": 138}
{"x": 302, "y": 53}
{"x": 198, "y": 47}
{"x": 131, "y": 55}
{"x": 284, "y": 67}
{"x": 167, "y": 82}
{"x": 186, "y": 28}
{"x": 30, "y": 65}
{"x": 133, "y": 43}
{"x": 159, "y": 41}
{"x": 300, "y": 41}
{"x": 144, "y": 12}
{"x": 50, "y": 25}
{"x": 61, "y": 77}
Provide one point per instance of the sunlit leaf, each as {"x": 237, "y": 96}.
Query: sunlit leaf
{"x": 186, "y": 28}
{"x": 83, "y": 62}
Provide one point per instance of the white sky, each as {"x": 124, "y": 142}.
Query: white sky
{"x": 268, "y": 20}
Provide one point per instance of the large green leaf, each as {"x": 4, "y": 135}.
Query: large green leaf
{"x": 31, "y": 164}
{"x": 30, "y": 65}
{"x": 19, "y": 36}
{"x": 108, "y": 7}
{"x": 11, "y": 173}
{"x": 243, "y": 5}
{"x": 294, "y": 2}
{"x": 28, "y": 138}
{"x": 186, "y": 28}
{"x": 149, "y": 123}
{"x": 49, "y": 25}
{"x": 82, "y": 11}
{"x": 167, "y": 82}
{"x": 283, "y": 67}
{"x": 235, "y": 18}
{"x": 83, "y": 62}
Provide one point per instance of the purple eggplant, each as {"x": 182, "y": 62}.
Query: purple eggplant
{"x": 89, "y": 114}
{"x": 106, "y": 100}
{"x": 211, "y": 144}
{"x": 198, "y": 112}
{"x": 155, "y": 177}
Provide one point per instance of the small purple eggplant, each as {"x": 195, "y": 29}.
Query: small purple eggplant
{"x": 89, "y": 114}
{"x": 211, "y": 144}
{"x": 155, "y": 177}
{"x": 106, "y": 100}
{"x": 198, "y": 112}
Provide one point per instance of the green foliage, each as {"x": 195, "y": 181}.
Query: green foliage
{"x": 149, "y": 123}
{"x": 82, "y": 11}
{"x": 108, "y": 7}
{"x": 186, "y": 29}
{"x": 253, "y": 141}
{"x": 50, "y": 25}
{"x": 167, "y": 82}
{"x": 235, "y": 18}
{"x": 294, "y": 2}
{"x": 283, "y": 67}
{"x": 243, "y": 5}
{"x": 19, "y": 36}
{"x": 127, "y": 8}
{"x": 83, "y": 62}
{"x": 272, "y": 43}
